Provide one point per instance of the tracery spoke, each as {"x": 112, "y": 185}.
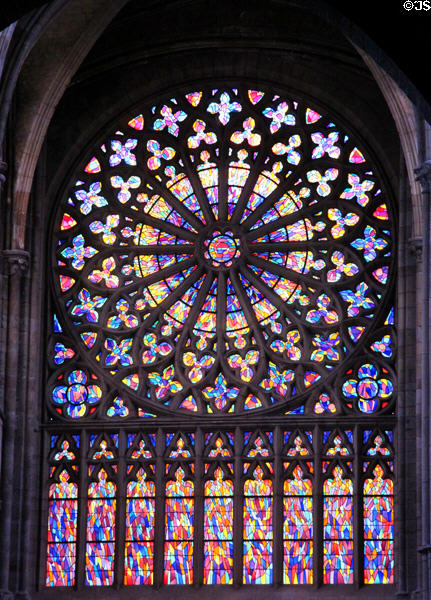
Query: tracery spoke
{"x": 280, "y": 223}
{"x": 251, "y": 320}
{"x": 180, "y": 232}
{"x": 221, "y": 309}
{"x": 141, "y": 215}
{"x": 280, "y": 271}
{"x": 197, "y": 185}
{"x": 187, "y": 331}
{"x": 251, "y": 182}
{"x": 166, "y": 272}
{"x": 157, "y": 311}
{"x": 292, "y": 181}
{"x": 295, "y": 276}
{"x": 269, "y": 202}
{"x": 177, "y": 204}
{"x": 223, "y": 170}
{"x": 156, "y": 249}
{"x": 273, "y": 296}
{"x": 286, "y": 246}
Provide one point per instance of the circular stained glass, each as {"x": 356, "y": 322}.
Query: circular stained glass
{"x": 222, "y": 251}
{"x": 221, "y": 248}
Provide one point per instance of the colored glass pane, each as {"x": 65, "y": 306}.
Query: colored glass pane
{"x": 298, "y": 528}
{"x": 139, "y": 558}
{"x": 379, "y": 561}
{"x": 218, "y": 562}
{"x": 258, "y": 525}
{"x": 218, "y": 530}
{"x": 298, "y": 518}
{"x": 378, "y": 528}
{"x": 62, "y": 532}
{"x": 61, "y": 565}
{"x": 179, "y": 530}
{"x": 222, "y": 248}
{"x": 298, "y": 562}
{"x": 258, "y": 566}
{"x": 338, "y": 528}
{"x": 338, "y": 562}
{"x": 62, "y": 521}
{"x": 140, "y": 511}
{"x": 178, "y": 563}
{"x": 99, "y": 567}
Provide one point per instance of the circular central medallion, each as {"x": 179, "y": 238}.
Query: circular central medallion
{"x": 222, "y": 248}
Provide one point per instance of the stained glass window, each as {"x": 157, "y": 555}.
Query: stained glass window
{"x": 179, "y": 511}
{"x": 139, "y": 549}
{"x": 62, "y": 511}
{"x": 298, "y": 510}
{"x": 218, "y": 509}
{"x": 338, "y": 527}
{"x": 101, "y": 511}
{"x": 222, "y": 287}
{"x": 379, "y": 509}
{"x": 258, "y": 510}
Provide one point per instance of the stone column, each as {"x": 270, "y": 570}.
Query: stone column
{"x": 423, "y": 173}
{"x": 409, "y": 277}
{"x": 3, "y": 280}
{"x": 16, "y": 263}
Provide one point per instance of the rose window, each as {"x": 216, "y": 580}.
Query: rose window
{"x": 224, "y": 251}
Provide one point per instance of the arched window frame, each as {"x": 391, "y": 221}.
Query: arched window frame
{"x": 281, "y": 425}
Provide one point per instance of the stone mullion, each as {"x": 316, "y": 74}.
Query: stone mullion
{"x": 159, "y": 520}
{"x": 238, "y": 510}
{"x": 120, "y": 514}
{"x": 358, "y": 508}
{"x": 317, "y": 509}
{"x": 278, "y": 545}
{"x": 198, "y": 519}
{"x": 81, "y": 545}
